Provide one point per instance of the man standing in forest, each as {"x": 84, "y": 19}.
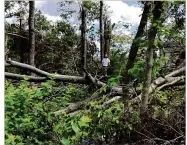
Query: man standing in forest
{"x": 106, "y": 63}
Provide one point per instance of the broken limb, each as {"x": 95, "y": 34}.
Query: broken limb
{"x": 172, "y": 82}
{"x": 168, "y": 80}
{"x": 93, "y": 80}
{"x": 57, "y": 77}
{"x": 159, "y": 81}
{"x": 22, "y": 77}
{"x": 74, "y": 107}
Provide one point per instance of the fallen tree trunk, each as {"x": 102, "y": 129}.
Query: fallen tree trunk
{"x": 168, "y": 79}
{"x": 75, "y": 79}
{"x": 45, "y": 76}
{"x": 22, "y": 77}
{"x": 74, "y": 107}
{"x": 161, "y": 83}
{"x": 172, "y": 82}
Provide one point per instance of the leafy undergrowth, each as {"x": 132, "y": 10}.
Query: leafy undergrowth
{"x": 29, "y": 118}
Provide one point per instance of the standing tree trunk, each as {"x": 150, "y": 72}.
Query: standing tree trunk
{"x": 101, "y": 30}
{"x": 157, "y": 11}
{"x": 31, "y": 32}
{"x": 107, "y": 36}
{"x": 83, "y": 37}
{"x": 135, "y": 45}
{"x": 105, "y": 31}
{"x": 22, "y": 28}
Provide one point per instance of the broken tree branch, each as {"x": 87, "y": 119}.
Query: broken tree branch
{"x": 17, "y": 35}
{"x": 175, "y": 80}
{"x": 168, "y": 80}
{"x": 21, "y": 77}
{"x": 79, "y": 105}
{"x": 64, "y": 78}
{"x": 93, "y": 80}
{"x": 58, "y": 77}
{"x": 159, "y": 81}
{"x": 76, "y": 79}
{"x": 116, "y": 98}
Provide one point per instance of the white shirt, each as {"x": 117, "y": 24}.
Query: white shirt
{"x": 105, "y": 61}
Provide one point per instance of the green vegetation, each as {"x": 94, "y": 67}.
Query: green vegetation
{"x": 60, "y": 106}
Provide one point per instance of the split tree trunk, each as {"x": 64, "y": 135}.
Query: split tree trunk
{"x": 157, "y": 11}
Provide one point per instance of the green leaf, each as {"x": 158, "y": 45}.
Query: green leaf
{"x": 75, "y": 127}
{"x": 65, "y": 141}
{"x": 26, "y": 78}
{"x": 154, "y": 24}
{"x": 85, "y": 119}
{"x": 20, "y": 144}
{"x": 99, "y": 114}
{"x": 11, "y": 137}
{"x": 49, "y": 116}
{"x": 104, "y": 89}
{"x": 81, "y": 124}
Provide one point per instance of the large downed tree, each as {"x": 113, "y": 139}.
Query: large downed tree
{"x": 96, "y": 109}
{"x": 176, "y": 77}
{"x": 113, "y": 93}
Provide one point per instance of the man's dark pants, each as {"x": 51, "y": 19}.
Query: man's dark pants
{"x": 105, "y": 70}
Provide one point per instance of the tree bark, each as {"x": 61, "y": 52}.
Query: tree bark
{"x": 83, "y": 37}
{"x": 101, "y": 30}
{"x": 169, "y": 80}
{"x": 135, "y": 44}
{"x": 166, "y": 80}
{"x": 31, "y": 32}
{"x": 157, "y": 11}
{"x": 159, "y": 81}
{"x": 107, "y": 36}
{"x": 22, "y": 28}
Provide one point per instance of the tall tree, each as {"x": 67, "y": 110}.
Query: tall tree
{"x": 83, "y": 36}
{"x": 31, "y": 32}
{"x": 135, "y": 44}
{"x": 22, "y": 28}
{"x": 101, "y": 30}
{"x": 107, "y": 36}
{"x": 157, "y": 11}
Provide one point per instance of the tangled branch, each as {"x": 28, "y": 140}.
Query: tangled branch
{"x": 171, "y": 79}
